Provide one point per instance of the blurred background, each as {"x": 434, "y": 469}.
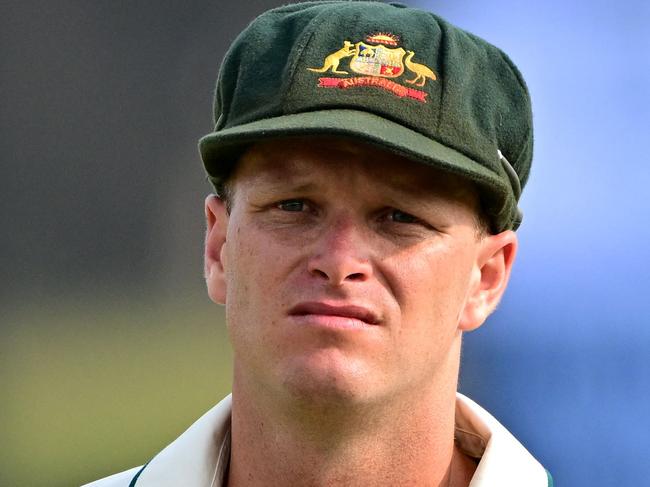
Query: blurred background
{"x": 109, "y": 347}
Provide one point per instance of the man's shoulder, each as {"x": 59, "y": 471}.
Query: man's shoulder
{"x": 122, "y": 479}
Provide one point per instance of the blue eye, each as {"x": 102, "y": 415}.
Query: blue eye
{"x": 402, "y": 217}
{"x": 292, "y": 205}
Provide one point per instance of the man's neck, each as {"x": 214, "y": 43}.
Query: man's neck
{"x": 385, "y": 444}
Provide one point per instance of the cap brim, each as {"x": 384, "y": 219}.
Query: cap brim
{"x": 220, "y": 150}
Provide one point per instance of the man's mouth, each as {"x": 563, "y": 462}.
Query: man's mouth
{"x": 317, "y": 309}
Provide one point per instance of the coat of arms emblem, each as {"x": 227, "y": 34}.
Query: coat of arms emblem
{"x": 379, "y": 57}
{"x": 377, "y": 60}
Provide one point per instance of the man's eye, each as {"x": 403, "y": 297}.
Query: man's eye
{"x": 292, "y": 205}
{"x": 402, "y": 217}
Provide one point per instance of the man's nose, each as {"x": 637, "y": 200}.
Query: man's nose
{"x": 341, "y": 254}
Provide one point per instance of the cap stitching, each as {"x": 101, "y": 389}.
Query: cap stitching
{"x": 442, "y": 74}
{"x": 518, "y": 76}
{"x": 297, "y": 52}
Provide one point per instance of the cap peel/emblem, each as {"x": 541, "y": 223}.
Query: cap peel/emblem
{"x": 423, "y": 72}
{"x": 332, "y": 61}
{"x": 377, "y": 62}
{"x": 386, "y": 84}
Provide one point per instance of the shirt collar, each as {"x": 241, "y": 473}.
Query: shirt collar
{"x": 503, "y": 460}
{"x": 197, "y": 458}
{"x": 200, "y": 456}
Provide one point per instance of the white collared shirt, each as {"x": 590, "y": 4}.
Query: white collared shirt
{"x": 200, "y": 456}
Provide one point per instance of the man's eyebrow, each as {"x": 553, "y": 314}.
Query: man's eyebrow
{"x": 288, "y": 184}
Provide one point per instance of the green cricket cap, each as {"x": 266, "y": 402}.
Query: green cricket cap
{"x": 397, "y": 77}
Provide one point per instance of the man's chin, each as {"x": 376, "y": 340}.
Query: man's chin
{"x": 329, "y": 382}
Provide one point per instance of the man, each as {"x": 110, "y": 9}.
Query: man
{"x": 368, "y": 160}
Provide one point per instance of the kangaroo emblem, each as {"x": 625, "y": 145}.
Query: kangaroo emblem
{"x": 332, "y": 61}
{"x": 367, "y": 52}
{"x": 420, "y": 70}
{"x": 376, "y": 63}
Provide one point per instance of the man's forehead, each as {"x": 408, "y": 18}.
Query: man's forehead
{"x": 300, "y": 160}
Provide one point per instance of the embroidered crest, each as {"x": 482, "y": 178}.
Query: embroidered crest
{"x": 332, "y": 61}
{"x": 376, "y": 61}
{"x": 422, "y": 71}
{"x": 383, "y": 38}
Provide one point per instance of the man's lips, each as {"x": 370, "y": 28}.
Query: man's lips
{"x": 353, "y": 312}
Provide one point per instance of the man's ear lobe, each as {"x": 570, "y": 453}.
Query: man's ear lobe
{"x": 216, "y": 218}
{"x": 489, "y": 278}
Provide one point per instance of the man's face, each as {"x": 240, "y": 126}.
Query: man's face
{"x": 347, "y": 272}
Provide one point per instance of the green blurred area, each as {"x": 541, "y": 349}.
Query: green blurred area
{"x": 92, "y": 388}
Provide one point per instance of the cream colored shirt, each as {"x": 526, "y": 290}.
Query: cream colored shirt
{"x": 200, "y": 456}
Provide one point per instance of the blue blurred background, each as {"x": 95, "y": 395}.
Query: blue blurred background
{"x": 565, "y": 362}
{"x": 109, "y": 347}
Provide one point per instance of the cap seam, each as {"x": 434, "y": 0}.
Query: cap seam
{"x": 522, "y": 84}
{"x": 441, "y": 72}
{"x": 527, "y": 141}
{"x": 224, "y": 114}
{"x": 299, "y": 49}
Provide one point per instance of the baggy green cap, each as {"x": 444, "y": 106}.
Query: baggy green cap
{"x": 386, "y": 74}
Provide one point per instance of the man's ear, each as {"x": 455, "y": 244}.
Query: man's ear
{"x": 489, "y": 278}
{"x": 216, "y": 217}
